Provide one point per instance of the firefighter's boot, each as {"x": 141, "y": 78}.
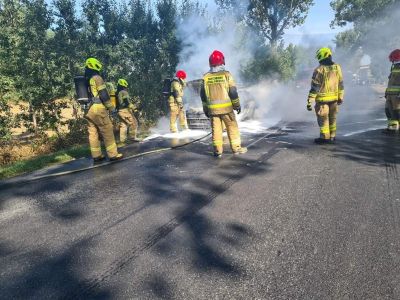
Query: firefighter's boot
{"x": 321, "y": 141}
{"x": 241, "y": 150}
{"x": 233, "y": 131}
{"x": 119, "y": 156}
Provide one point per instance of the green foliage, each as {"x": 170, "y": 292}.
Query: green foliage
{"x": 30, "y": 165}
{"x": 269, "y": 62}
{"x": 270, "y": 18}
{"x": 5, "y": 121}
{"x": 349, "y": 11}
{"x": 374, "y": 32}
{"x": 42, "y": 48}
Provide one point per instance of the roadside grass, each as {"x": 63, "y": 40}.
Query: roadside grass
{"x": 39, "y": 162}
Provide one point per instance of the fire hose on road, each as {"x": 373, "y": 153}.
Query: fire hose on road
{"x": 160, "y": 150}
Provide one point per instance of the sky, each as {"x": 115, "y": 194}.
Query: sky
{"x": 316, "y": 25}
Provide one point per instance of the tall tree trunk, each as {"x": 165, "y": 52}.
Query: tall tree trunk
{"x": 34, "y": 120}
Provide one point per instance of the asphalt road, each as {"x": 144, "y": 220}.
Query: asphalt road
{"x": 287, "y": 220}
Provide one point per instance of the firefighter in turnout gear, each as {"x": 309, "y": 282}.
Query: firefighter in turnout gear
{"x": 99, "y": 123}
{"x": 126, "y": 109}
{"x": 392, "y": 93}
{"x": 175, "y": 102}
{"x": 220, "y": 98}
{"x": 327, "y": 91}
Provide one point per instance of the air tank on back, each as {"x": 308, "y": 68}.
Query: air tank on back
{"x": 81, "y": 90}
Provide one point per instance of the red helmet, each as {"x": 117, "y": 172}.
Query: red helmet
{"x": 217, "y": 58}
{"x": 395, "y": 56}
{"x": 181, "y": 74}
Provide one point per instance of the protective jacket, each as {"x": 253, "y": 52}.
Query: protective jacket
{"x": 176, "y": 97}
{"x": 327, "y": 84}
{"x": 111, "y": 91}
{"x": 99, "y": 123}
{"x": 98, "y": 92}
{"x": 218, "y": 93}
{"x": 394, "y": 81}
{"x": 124, "y": 102}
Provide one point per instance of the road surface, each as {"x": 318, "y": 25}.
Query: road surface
{"x": 287, "y": 220}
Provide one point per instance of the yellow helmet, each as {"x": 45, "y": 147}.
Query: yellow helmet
{"x": 123, "y": 82}
{"x": 323, "y": 53}
{"x": 93, "y": 64}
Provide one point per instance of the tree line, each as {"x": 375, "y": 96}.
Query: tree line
{"x": 44, "y": 45}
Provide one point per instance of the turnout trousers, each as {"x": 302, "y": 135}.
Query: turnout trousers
{"x": 175, "y": 113}
{"x": 100, "y": 125}
{"x": 217, "y": 123}
{"x": 128, "y": 123}
{"x": 393, "y": 107}
{"x": 326, "y": 117}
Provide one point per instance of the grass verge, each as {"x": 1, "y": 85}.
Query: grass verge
{"x": 36, "y": 163}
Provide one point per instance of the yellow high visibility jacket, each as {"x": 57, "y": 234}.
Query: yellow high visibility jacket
{"x": 112, "y": 92}
{"x": 98, "y": 91}
{"x": 124, "y": 101}
{"x": 394, "y": 81}
{"x": 176, "y": 97}
{"x": 327, "y": 84}
{"x": 218, "y": 93}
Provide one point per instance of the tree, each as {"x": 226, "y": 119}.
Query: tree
{"x": 278, "y": 63}
{"x": 35, "y": 66}
{"x": 349, "y": 11}
{"x": 270, "y": 18}
{"x": 374, "y": 31}
{"x": 67, "y": 45}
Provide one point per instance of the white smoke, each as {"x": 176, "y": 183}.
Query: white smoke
{"x": 275, "y": 101}
{"x": 198, "y": 43}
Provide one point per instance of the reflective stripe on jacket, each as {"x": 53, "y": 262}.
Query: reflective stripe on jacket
{"x": 394, "y": 81}
{"x": 217, "y": 99}
{"x": 327, "y": 84}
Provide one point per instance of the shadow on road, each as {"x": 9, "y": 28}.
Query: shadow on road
{"x": 182, "y": 182}
{"x": 371, "y": 148}
{"x": 47, "y": 276}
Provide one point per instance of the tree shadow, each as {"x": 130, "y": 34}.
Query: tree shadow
{"x": 163, "y": 184}
{"x": 49, "y": 276}
{"x": 207, "y": 240}
{"x": 370, "y": 148}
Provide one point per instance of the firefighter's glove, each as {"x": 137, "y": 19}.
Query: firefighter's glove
{"x": 309, "y": 107}
{"x": 180, "y": 105}
{"x": 340, "y": 102}
{"x": 238, "y": 109}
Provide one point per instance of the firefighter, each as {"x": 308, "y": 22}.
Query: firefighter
{"x": 220, "y": 98}
{"x": 99, "y": 123}
{"x": 112, "y": 92}
{"x": 126, "y": 109}
{"x": 392, "y": 93}
{"x": 175, "y": 102}
{"x": 327, "y": 91}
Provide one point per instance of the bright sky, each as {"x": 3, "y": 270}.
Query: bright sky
{"x": 316, "y": 26}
